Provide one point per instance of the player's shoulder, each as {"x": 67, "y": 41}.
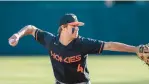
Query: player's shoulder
{"x": 50, "y": 33}
{"x": 81, "y": 38}
{"x": 47, "y": 33}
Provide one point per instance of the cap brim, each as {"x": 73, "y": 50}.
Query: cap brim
{"x": 77, "y": 23}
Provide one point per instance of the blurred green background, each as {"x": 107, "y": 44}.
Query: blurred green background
{"x": 125, "y": 22}
{"x": 103, "y": 70}
{"x": 29, "y": 63}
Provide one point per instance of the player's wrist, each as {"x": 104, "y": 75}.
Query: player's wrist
{"x": 18, "y": 35}
{"x": 137, "y": 49}
{"x": 140, "y": 49}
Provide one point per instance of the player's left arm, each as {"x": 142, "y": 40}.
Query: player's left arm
{"x": 92, "y": 46}
{"x": 121, "y": 47}
{"x": 142, "y": 51}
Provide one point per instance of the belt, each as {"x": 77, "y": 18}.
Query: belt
{"x": 58, "y": 82}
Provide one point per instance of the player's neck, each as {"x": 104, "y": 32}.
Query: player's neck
{"x": 65, "y": 39}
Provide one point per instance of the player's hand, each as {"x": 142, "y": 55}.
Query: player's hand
{"x": 14, "y": 39}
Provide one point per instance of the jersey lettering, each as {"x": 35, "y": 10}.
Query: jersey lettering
{"x": 56, "y": 57}
{"x": 70, "y": 59}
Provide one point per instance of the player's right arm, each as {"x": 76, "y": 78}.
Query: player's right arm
{"x": 27, "y": 30}
{"x": 41, "y": 36}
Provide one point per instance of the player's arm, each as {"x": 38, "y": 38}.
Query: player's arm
{"x": 43, "y": 37}
{"x": 93, "y": 46}
{"x": 121, "y": 47}
{"x": 27, "y": 30}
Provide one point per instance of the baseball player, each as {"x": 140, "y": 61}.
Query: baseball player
{"x": 68, "y": 51}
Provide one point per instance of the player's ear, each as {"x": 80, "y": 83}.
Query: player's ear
{"x": 64, "y": 27}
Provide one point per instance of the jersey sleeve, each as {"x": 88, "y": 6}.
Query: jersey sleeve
{"x": 92, "y": 46}
{"x": 43, "y": 37}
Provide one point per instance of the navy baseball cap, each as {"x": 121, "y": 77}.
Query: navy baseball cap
{"x": 70, "y": 19}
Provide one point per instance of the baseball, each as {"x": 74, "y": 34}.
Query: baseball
{"x": 11, "y": 41}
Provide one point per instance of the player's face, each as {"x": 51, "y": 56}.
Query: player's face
{"x": 73, "y": 30}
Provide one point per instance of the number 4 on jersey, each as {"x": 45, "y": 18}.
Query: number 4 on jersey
{"x": 80, "y": 68}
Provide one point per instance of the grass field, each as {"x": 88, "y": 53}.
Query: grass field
{"x": 103, "y": 70}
